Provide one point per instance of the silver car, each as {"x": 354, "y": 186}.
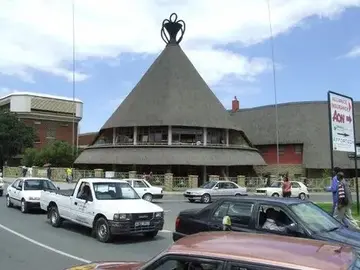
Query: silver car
{"x": 213, "y": 190}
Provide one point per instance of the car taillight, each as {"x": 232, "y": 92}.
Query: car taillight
{"x": 177, "y": 223}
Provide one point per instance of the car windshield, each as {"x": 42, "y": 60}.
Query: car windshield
{"x": 208, "y": 185}
{"x": 276, "y": 184}
{"x": 39, "y": 184}
{"x": 114, "y": 191}
{"x": 316, "y": 219}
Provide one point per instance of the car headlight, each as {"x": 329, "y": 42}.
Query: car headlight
{"x": 120, "y": 217}
{"x": 159, "y": 214}
{"x": 34, "y": 198}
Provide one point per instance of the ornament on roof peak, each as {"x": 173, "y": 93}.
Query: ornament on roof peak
{"x": 170, "y": 29}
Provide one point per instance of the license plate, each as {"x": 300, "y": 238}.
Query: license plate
{"x": 142, "y": 223}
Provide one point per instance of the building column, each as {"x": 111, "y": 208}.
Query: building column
{"x": 204, "y": 174}
{"x": 205, "y": 135}
{"x": 135, "y": 136}
{"x": 169, "y": 135}
{"x": 114, "y": 136}
{"x": 227, "y": 137}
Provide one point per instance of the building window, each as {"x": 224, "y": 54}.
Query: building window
{"x": 183, "y": 135}
{"x": 51, "y": 131}
{"x": 105, "y": 137}
{"x": 281, "y": 150}
{"x": 124, "y": 135}
{"x": 216, "y": 136}
{"x": 152, "y": 135}
{"x": 298, "y": 149}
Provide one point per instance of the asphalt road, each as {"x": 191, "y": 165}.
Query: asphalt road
{"x": 33, "y": 243}
{"x": 28, "y": 241}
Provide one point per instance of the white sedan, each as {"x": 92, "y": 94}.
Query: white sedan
{"x": 298, "y": 190}
{"x": 25, "y": 192}
{"x": 214, "y": 190}
{"x": 145, "y": 189}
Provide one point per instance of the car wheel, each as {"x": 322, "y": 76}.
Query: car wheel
{"x": 191, "y": 200}
{"x": 23, "y": 206}
{"x": 206, "y": 198}
{"x": 151, "y": 234}
{"x": 55, "y": 218}
{"x": 8, "y": 201}
{"x": 148, "y": 197}
{"x": 1, "y": 193}
{"x": 238, "y": 195}
{"x": 302, "y": 196}
{"x": 103, "y": 233}
{"x": 275, "y": 195}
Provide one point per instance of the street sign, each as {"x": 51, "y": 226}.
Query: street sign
{"x": 342, "y": 125}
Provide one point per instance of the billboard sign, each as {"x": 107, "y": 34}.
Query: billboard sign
{"x": 342, "y": 125}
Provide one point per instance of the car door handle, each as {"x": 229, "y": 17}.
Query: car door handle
{"x": 75, "y": 203}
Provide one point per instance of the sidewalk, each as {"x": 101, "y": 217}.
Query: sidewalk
{"x": 64, "y": 185}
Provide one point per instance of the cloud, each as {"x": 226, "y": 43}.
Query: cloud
{"x": 6, "y": 91}
{"x": 37, "y": 34}
{"x": 353, "y": 53}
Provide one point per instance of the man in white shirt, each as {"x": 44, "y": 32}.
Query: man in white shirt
{"x": 270, "y": 223}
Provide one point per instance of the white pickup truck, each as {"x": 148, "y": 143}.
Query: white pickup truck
{"x": 110, "y": 207}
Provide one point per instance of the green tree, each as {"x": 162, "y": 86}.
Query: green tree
{"x": 15, "y": 136}
{"x": 58, "y": 154}
{"x": 30, "y": 156}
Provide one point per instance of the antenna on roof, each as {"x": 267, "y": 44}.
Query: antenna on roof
{"x": 275, "y": 88}
{"x": 172, "y": 27}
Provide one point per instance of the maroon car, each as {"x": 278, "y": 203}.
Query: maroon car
{"x": 235, "y": 251}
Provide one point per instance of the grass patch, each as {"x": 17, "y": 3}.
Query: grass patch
{"x": 328, "y": 207}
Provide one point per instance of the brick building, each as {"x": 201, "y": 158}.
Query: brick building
{"x": 52, "y": 117}
{"x": 304, "y": 145}
{"x": 86, "y": 139}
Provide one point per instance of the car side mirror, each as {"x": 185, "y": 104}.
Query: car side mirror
{"x": 216, "y": 187}
{"x": 293, "y": 227}
{"x": 58, "y": 188}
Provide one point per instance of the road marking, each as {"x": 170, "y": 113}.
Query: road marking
{"x": 166, "y": 211}
{"x": 166, "y": 231}
{"x": 43, "y": 245}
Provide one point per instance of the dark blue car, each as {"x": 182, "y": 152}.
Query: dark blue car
{"x": 248, "y": 214}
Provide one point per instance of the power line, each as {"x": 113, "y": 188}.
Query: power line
{"x": 73, "y": 79}
{"x": 274, "y": 86}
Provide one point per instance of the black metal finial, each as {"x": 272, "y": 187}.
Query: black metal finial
{"x": 172, "y": 27}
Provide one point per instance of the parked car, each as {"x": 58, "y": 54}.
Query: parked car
{"x": 108, "y": 206}
{"x": 1, "y": 186}
{"x": 214, "y": 190}
{"x": 25, "y": 192}
{"x": 235, "y": 251}
{"x": 302, "y": 219}
{"x": 145, "y": 189}
{"x": 298, "y": 190}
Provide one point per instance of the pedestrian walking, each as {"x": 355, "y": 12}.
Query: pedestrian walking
{"x": 24, "y": 171}
{"x": 30, "y": 171}
{"x": 48, "y": 172}
{"x": 344, "y": 203}
{"x": 334, "y": 188}
{"x": 69, "y": 175}
{"x": 286, "y": 187}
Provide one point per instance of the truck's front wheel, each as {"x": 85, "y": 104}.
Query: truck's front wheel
{"x": 102, "y": 230}
{"x": 55, "y": 218}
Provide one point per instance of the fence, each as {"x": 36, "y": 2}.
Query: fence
{"x": 168, "y": 181}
